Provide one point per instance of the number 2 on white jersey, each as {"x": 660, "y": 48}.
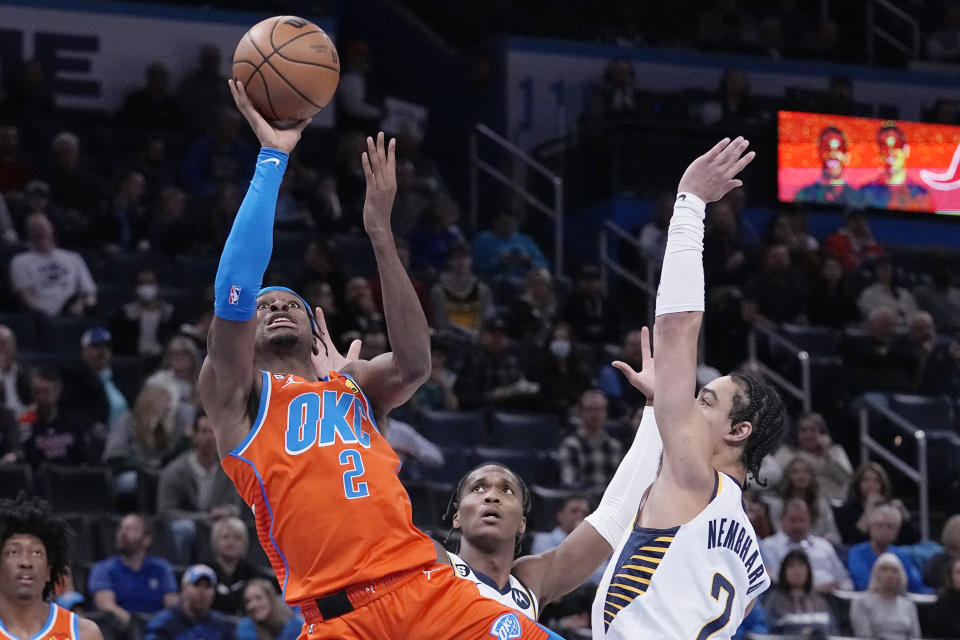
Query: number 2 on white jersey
{"x": 720, "y": 583}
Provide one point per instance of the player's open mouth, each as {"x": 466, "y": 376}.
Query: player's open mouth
{"x": 24, "y": 578}
{"x": 281, "y": 321}
{"x": 490, "y": 516}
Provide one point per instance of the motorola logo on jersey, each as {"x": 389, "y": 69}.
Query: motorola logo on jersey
{"x": 506, "y": 627}
{"x": 520, "y": 598}
{"x": 463, "y": 570}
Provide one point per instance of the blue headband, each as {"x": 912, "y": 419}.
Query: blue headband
{"x": 306, "y": 305}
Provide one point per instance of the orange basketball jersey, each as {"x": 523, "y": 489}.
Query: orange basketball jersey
{"x": 322, "y": 483}
{"x": 61, "y": 624}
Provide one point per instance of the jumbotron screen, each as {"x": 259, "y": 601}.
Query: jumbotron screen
{"x": 867, "y": 162}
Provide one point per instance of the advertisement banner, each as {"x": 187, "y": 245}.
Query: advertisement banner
{"x": 867, "y": 162}
{"x": 96, "y": 52}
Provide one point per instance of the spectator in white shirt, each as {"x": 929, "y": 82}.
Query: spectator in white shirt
{"x": 828, "y": 571}
{"x": 50, "y": 280}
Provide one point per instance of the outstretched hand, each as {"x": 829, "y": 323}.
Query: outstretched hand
{"x": 711, "y": 176}
{"x": 644, "y": 379}
{"x": 268, "y": 135}
{"x": 380, "y": 170}
{"x": 327, "y": 358}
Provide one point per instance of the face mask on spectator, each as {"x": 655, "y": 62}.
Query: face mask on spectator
{"x": 560, "y": 348}
{"x": 147, "y": 292}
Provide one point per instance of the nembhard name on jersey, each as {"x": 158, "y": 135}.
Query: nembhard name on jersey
{"x": 727, "y": 533}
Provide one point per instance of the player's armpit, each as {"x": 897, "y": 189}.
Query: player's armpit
{"x": 558, "y": 571}
{"x": 88, "y": 630}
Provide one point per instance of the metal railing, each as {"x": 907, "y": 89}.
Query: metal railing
{"x": 802, "y": 393}
{"x": 520, "y": 163}
{"x": 647, "y": 285}
{"x": 875, "y": 31}
{"x": 918, "y": 474}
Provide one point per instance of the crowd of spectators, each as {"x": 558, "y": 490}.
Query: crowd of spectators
{"x": 91, "y": 245}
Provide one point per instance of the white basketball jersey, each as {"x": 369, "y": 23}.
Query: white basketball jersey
{"x": 690, "y": 582}
{"x": 514, "y": 594}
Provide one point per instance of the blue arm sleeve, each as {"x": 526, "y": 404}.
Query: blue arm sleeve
{"x": 246, "y": 253}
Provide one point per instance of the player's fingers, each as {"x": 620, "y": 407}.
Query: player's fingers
{"x": 717, "y": 148}
{"x": 372, "y": 158}
{"x": 645, "y": 343}
{"x": 321, "y": 320}
{"x": 624, "y": 368}
{"x": 381, "y": 151}
{"x": 353, "y": 353}
{"x": 731, "y": 185}
{"x": 233, "y": 91}
{"x": 302, "y": 124}
{"x": 392, "y": 156}
{"x": 367, "y": 171}
{"x": 732, "y": 151}
{"x": 742, "y": 163}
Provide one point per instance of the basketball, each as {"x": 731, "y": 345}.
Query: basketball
{"x": 288, "y": 66}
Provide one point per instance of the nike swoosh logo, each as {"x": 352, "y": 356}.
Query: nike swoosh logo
{"x": 273, "y": 160}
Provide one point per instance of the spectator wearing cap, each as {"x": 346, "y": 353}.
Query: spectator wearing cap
{"x": 90, "y": 390}
{"x": 505, "y": 250}
{"x": 491, "y": 374}
{"x": 591, "y": 314}
{"x": 589, "y": 457}
{"x": 460, "y": 301}
{"x": 48, "y": 279}
{"x": 36, "y": 199}
{"x": 49, "y": 434}
{"x": 192, "y": 617}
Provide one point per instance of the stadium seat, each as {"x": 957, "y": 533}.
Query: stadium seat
{"x": 77, "y": 489}
{"x": 195, "y": 272}
{"x": 926, "y": 412}
{"x": 122, "y": 268}
{"x": 357, "y": 256}
{"x": 529, "y": 430}
{"x": 522, "y": 461}
{"x": 15, "y": 478}
{"x": 454, "y": 428}
{"x": 84, "y": 546}
{"x": 821, "y": 341}
{"x": 545, "y": 504}
{"x": 24, "y": 327}
{"x": 429, "y": 501}
{"x": 456, "y": 461}
{"x": 60, "y": 334}
{"x": 127, "y": 376}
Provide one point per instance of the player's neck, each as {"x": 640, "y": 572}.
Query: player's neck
{"x": 496, "y": 565}
{"x": 729, "y": 462}
{"x": 23, "y": 619}
{"x": 291, "y": 364}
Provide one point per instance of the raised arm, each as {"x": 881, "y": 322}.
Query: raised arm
{"x": 227, "y": 376}
{"x": 391, "y": 378}
{"x": 558, "y": 571}
{"x": 687, "y": 441}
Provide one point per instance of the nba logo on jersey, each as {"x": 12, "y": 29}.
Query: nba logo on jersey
{"x": 506, "y": 627}
{"x": 234, "y": 294}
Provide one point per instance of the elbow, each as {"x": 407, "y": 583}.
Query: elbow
{"x": 415, "y": 374}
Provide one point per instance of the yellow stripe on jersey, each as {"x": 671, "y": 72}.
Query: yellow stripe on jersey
{"x": 647, "y": 558}
{"x": 628, "y": 588}
{"x": 637, "y": 567}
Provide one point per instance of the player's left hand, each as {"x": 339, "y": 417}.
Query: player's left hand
{"x": 380, "y": 170}
{"x": 711, "y": 176}
{"x": 645, "y": 378}
{"x": 329, "y": 359}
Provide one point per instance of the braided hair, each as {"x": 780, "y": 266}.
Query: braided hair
{"x": 34, "y": 516}
{"x": 759, "y": 404}
{"x": 454, "y": 504}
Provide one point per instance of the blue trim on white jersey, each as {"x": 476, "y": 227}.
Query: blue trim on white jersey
{"x": 44, "y": 630}
{"x": 261, "y": 416}
{"x": 266, "y": 501}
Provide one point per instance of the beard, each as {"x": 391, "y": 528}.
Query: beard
{"x": 283, "y": 343}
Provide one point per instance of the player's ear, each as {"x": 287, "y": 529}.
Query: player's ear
{"x": 740, "y": 431}
{"x": 523, "y": 525}
{"x": 456, "y": 519}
